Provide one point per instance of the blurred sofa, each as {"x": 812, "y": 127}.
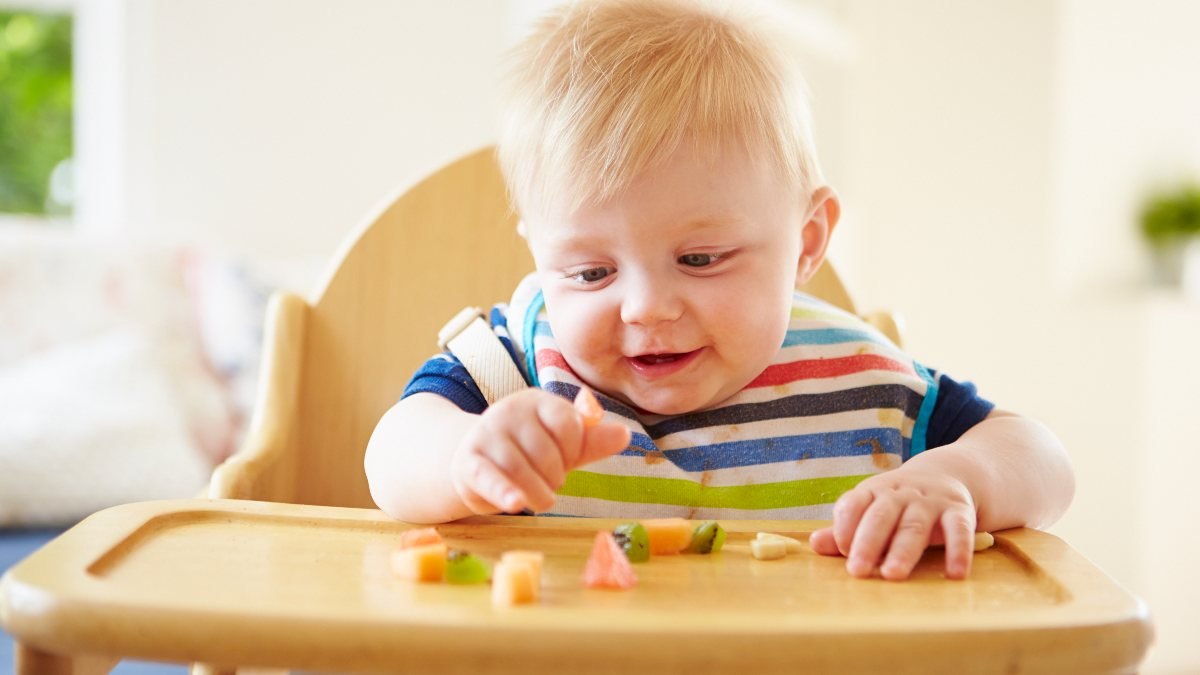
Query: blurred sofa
{"x": 126, "y": 371}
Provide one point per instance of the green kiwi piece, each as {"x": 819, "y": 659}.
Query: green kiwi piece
{"x": 466, "y": 568}
{"x": 708, "y": 537}
{"x": 632, "y": 539}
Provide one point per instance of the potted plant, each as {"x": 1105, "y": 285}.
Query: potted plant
{"x": 1170, "y": 222}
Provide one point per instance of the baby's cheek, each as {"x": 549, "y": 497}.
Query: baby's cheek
{"x": 580, "y": 336}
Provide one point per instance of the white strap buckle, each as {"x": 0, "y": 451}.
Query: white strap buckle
{"x": 454, "y": 327}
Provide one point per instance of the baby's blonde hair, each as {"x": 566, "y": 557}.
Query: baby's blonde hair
{"x": 601, "y": 90}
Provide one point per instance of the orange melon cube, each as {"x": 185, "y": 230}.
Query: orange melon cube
{"x": 534, "y": 558}
{"x": 668, "y": 535}
{"x": 426, "y": 562}
{"x": 420, "y": 563}
{"x": 514, "y": 582}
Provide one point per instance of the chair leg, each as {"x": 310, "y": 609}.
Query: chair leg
{"x": 30, "y": 661}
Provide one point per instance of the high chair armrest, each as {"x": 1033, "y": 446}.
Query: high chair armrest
{"x": 265, "y": 466}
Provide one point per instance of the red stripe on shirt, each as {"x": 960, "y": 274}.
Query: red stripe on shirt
{"x": 552, "y": 358}
{"x": 813, "y": 369}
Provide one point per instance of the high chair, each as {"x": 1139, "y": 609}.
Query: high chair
{"x": 334, "y": 364}
{"x": 272, "y": 571}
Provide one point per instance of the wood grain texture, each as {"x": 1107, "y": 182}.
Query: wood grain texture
{"x": 277, "y": 585}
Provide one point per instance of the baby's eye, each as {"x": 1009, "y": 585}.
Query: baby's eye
{"x": 591, "y": 275}
{"x": 699, "y": 259}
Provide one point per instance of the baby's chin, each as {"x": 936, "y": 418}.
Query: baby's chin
{"x": 667, "y": 404}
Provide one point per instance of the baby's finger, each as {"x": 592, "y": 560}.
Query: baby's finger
{"x": 541, "y": 450}
{"x": 958, "y": 528}
{"x": 847, "y": 511}
{"x": 511, "y": 460}
{"x": 486, "y": 489}
{"x": 909, "y": 541}
{"x": 559, "y": 419}
{"x": 872, "y": 536}
{"x": 603, "y": 440}
{"x": 822, "y": 542}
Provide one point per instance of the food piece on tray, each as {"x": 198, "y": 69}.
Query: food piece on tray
{"x": 708, "y": 537}
{"x": 419, "y": 536}
{"x": 420, "y": 563}
{"x": 983, "y": 540}
{"x": 632, "y": 539}
{"x": 793, "y": 545}
{"x": 768, "y": 549}
{"x": 514, "y": 582}
{"x": 608, "y": 567}
{"x": 668, "y": 535}
{"x": 534, "y": 558}
{"x": 466, "y": 568}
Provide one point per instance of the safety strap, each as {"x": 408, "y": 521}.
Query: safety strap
{"x": 470, "y": 338}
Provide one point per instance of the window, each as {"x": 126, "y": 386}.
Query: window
{"x": 36, "y": 111}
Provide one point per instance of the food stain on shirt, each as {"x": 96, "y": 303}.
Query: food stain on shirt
{"x": 655, "y": 457}
{"x": 879, "y": 457}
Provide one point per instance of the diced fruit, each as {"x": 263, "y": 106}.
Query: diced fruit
{"x": 668, "y": 535}
{"x": 534, "y": 558}
{"x": 634, "y": 541}
{"x": 708, "y": 537}
{"x": 514, "y": 583}
{"x": 983, "y": 540}
{"x": 588, "y": 407}
{"x": 768, "y": 549}
{"x": 466, "y": 568}
{"x": 419, "y": 536}
{"x": 608, "y": 567}
{"x": 793, "y": 545}
{"x": 420, "y": 563}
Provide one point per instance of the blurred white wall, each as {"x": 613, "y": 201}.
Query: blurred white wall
{"x": 997, "y": 156}
{"x": 271, "y": 127}
{"x": 990, "y": 156}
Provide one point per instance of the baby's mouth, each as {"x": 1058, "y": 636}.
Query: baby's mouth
{"x": 658, "y": 359}
{"x": 662, "y": 364}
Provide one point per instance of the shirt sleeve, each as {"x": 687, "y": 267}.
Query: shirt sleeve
{"x": 958, "y": 407}
{"x": 446, "y": 376}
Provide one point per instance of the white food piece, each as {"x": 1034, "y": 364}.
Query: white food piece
{"x": 984, "y": 540}
{"x": 768, "y": 549}
{"x": 793, "y": 545}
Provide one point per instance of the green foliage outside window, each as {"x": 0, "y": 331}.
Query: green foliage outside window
{"x": 35, "y": 110}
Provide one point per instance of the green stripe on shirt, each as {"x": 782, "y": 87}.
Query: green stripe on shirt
{"x": 679, "y": 492}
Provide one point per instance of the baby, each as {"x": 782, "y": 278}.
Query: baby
{"x": 659, "y": 155}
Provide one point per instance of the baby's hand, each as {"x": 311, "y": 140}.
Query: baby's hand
{"x": 521, "y": 450}
{"x": 888, "y": 521}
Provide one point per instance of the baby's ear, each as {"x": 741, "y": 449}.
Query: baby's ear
{"x": 822, "y": 216}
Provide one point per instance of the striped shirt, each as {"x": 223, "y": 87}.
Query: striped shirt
{"x": 837, "y": 404}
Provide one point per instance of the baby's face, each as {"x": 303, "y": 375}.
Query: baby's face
{"x": 675, "y": 294}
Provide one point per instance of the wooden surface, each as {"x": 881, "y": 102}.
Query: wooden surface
{"x": 335, "y": 362}
{"x": 277, "y": 585}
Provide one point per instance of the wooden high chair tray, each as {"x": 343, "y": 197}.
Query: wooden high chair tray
{"x": 278, "y": 585}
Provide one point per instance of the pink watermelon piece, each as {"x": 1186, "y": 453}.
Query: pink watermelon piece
{"x": 422, "y": 536}
{"x": 608, "y": 566}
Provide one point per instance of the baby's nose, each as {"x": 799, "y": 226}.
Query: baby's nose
{"x": 646, "y": 302}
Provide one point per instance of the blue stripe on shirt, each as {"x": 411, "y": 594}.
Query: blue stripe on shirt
{"x": 751, "y": 452}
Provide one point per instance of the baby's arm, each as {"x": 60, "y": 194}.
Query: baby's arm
{"x": 1006, "y": 471}
{"x": 429, "y": 461}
